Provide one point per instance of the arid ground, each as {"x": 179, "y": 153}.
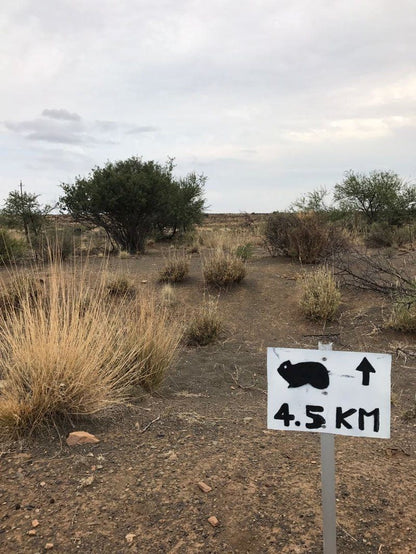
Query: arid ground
{"x": 208, "y": 423}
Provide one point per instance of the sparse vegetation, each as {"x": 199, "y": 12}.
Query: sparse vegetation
{"x": 119, "y": 285}
{"x": 176, "y": 267}
{"x": 11, "y": 248}
{"x": 205, "y": 326}
{"x": 222, "y": 269}
{"x": 403, "y": 316}
{"x": 320, "y": 296}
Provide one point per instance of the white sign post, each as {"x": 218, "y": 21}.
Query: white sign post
{"x": 334, "y": 393}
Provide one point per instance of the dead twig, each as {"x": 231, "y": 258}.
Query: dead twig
{"x": 346, "y": 532}
{"x": 149, "y": 424}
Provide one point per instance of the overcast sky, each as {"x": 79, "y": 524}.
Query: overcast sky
{"x": 268, "y": 98}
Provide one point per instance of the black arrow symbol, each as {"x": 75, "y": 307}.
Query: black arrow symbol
{"x": 366, "y": 368}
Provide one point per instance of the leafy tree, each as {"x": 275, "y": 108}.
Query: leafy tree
{"x": 380, "y": 196}
{"x": 130, "y": 199}
{"x": 314, "y": 201}
{"x": 23, "y": 211}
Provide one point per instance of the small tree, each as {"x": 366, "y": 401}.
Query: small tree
{"x": 132, "y": 198}
{"x": 380, "y": 196}
{"x": 23, "y": 211}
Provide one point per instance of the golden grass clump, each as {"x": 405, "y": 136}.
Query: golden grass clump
{"x": 73, "y": 351}
{"x": 403, "y": 315}
{"x": 176, "y": 267}
{"x": 205, "y": 326}
{"x": 223, "y": 269}
{"x": 320, "y": 297}
{"x": 152, "y": 337}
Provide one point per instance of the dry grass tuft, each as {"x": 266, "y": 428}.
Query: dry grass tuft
{"x": 151, "y": 340}
{"x": 72, "y": 352}
{"x": 320, "y": 297}
{"x": 205, "y": 326}
{"x": 120, "y": 285}
{"x": 223, "y": 269}
{"x": 176, "y": 268}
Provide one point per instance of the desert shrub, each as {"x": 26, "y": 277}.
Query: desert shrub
{"x": 119, "y": 285}
{"x": 244, "y": 251}
{"x": 205, "y": 326}
{"x": 403, "y": 316}
{"x": 405, "y": 234}
{"x": 223, "y": 269}
{"x": 54, "y": 245}
{"x": 379, "y": 235}
{"x": 320, "y": 296}
{"x": 22, "y": 288}
{"x": 176, "y": 268}
{"x": 11, "y": 249}
{"x": 308, "y": 237}
{"x": 276, "y": 232}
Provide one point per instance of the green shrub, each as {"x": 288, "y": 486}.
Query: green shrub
{"x": 223, "y": 269}
{"x": 403, "y": 316}
{"x": 320, "y": 297}
{"x": 54, "y": 245}
{"x": 244, "y": 251}
{"x": 11, "y": 249}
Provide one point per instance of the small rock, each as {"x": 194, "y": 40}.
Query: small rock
{"x": 171, "y": 455}
{"x": 204, "y": 487}
{"x": 130, "y": 538}
{"x": 144, "y": 281}
{"x": 90, "y": 455}
{"x": 247, "y": 419}
{"x": 42, "y": 483}
{"x": 32, "y": 532}
{"x": 81, "y": 437}
{"x": 87, "y": 481}
{"x": 213, "y": 521}
{"x": 35, "y": 523}
{"x": 49, "y": 545}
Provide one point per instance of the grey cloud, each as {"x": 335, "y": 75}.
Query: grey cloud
{"x": 60, "y": 138}
{"x": 141, "y": 129}
{"x": 61, "y": 114}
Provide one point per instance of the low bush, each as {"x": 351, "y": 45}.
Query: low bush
{"x": 11, "y": 248}
{"x": 403, "y": 316}
{"x": 223, "y": 269}
{"x": 205, "y": 326}
{"x": 176, "y": 268}
{"x": 379, "y": 235}
{"x": 119, "y": 286}
{"x": 55, "y": 245}
{"x": 308, "y": 237}
{"x": 320, "y": 296}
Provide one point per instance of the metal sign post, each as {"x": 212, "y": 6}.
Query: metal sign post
{"x": 331, "y": 393}
{"x": 329, "y": 516}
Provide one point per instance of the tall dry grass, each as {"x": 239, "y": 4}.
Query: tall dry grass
{"x": 320, "y": 297}
{"x": 73, "y": 351}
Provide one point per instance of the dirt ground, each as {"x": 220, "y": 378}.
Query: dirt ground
{"x": 208, "y": 423}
